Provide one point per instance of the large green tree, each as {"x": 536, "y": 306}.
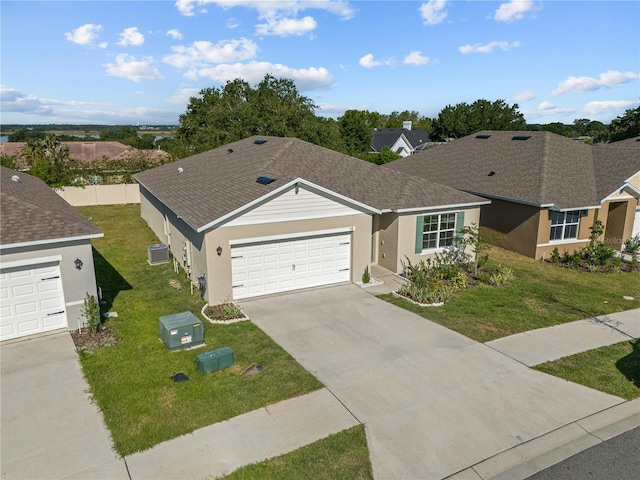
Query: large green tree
{"x": 625, "y": 126}
{"x": 463, "y": 119}
{"x": 238, "y": 110}
{"x": 49, "y": 160}
{"x": 355, "y": 131}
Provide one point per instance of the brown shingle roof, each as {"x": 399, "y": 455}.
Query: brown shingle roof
{"x": 215, "y": 183}
{"x": 30, "y": 211}
{"x": 544, "y": 169}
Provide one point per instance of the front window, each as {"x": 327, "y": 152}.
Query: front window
{"x": 564, "y": 225}
{"x": 439, "y": 231}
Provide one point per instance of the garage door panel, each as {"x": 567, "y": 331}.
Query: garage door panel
{"x": 290, "y": 264}
{"x": 32, "y": 300}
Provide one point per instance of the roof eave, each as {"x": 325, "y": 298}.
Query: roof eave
{"x": 50, "y": 241}
{"x": 440, "y": 207}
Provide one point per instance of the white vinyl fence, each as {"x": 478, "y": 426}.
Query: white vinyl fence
{"x": 101, "y": 194}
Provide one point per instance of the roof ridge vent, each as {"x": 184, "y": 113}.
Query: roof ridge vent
{"x": 521, "y": 137}
{"x": 264, "y": 180}
{"x": 260, "y": 141}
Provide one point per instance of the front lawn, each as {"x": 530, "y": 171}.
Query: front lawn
{"x": 613, "y": 369}
{"x": 542, "y": 295}
{"x": 343, "y": 455}
{"x": 130, "y": 381}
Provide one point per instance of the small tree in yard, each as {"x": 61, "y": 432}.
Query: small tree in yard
{"x": 91, "y": 312}
{"x": 632, "y": 247}
{"x": 473, "y": 238}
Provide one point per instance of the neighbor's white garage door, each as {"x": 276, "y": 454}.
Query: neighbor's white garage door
{"x": 31, "y": 300}
{"x": 279, "y": 266}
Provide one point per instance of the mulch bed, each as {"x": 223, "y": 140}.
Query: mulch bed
{"x": 91, "y": 342}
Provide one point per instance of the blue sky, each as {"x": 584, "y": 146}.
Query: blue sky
{"x": 124, "y": 62}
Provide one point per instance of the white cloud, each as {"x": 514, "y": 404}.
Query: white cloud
{"x": 127, "y": 66}
{"x": 524, "y": 96}
{"x": 612, "y": 107}
{"x": 433, "y": 12}
{"x": 489, "y": 47}
{"x": 183, "y": 96}
{"x": 608, "y": 79}
{"x": 416, "y": 58}
{"x": 175, "y": 34}
{"x": 286, "y": 26}
{"x": 203, "y": 52}
{"x": 253, "y": 72}
{"x": 548, "y": 109}
{"x": 131, "y": 36}
{"x": 15, "y": 101}
{"x": 368, "y": 61}
{"x": 513, "y": 10}
{"x": 85, "y": 34}
{"x": 291, "y": 7}
{"x": 334, "y": 108}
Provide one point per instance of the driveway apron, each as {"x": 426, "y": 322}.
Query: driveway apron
{"x": 433, "y": 401}
{"x": 50, "y": 429}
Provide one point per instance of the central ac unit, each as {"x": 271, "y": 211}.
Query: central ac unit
{"x": 158, "y": 254}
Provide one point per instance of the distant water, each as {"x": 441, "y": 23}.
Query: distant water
{"x": 4, "y": 138}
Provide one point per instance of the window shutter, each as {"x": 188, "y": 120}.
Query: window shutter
{"x": 459, "y": 227}
{"x": 419, "y": 231}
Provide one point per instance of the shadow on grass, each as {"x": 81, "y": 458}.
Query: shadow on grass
{"x": 629, "y": 365}
{"x": 109, "y": 280}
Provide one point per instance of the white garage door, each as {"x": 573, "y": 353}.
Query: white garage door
{"x": 636, "y": 223}
{"x": 279, "y": 266}
{"x": 31, "y": 300}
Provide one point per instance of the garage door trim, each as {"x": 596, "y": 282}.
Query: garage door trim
{"x": 287, "y": 236}
{"x": 31, "y": 262}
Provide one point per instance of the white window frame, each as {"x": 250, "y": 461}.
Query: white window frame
{"x": 439, "y": 231}
{"x": 561, "y": 221}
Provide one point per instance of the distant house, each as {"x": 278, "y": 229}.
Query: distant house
{"x": 404, "y": 141}
{"x": 546, "y": 190}
{"x": 270, "y": 214}
{"x": 89, "y": 151}
{"x": 46, "y": 259}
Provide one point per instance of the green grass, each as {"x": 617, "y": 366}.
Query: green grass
{"x": 343, "y": 455}
{"x": 614, "y": 369}
{"x": 130, "y": 382}
{"x": 542, "y": 295}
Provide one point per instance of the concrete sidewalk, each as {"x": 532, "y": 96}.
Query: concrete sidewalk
{"x": 223, "y": 447}
{"x": 545, "y": 344}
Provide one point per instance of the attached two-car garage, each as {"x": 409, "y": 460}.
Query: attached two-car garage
{"x": 266, "y": 266}
{"x": 31, "y": 300}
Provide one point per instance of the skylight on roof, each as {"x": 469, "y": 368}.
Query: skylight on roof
{"x": 521, "y": 137}
{"x": 264, "y": 180}
{"x": 483, "y": 136}
{"x": 260, "y": 141}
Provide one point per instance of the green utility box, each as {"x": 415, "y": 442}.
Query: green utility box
{"x": 181, "y": 330}
{"x": 215, "y": 360}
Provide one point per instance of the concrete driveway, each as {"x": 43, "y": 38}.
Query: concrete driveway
{"x": 434, "y": 402}
{"x": 50, "y": 429}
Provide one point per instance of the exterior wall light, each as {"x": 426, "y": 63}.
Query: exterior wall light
{"x": 219, "y": 250}
{"x": 78, "y": 263}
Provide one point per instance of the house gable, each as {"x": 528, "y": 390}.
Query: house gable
{"x": 299, "y": 202}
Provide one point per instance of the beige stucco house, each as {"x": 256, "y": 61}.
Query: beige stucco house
{"x": 546, "y": 190}
{"x": 46, "y": 259}
{"x": 269, "y": 214}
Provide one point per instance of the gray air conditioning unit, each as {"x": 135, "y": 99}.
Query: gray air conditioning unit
{"x": 158, "y": 254}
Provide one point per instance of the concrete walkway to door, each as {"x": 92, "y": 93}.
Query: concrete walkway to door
{"x": 434, "y": 402}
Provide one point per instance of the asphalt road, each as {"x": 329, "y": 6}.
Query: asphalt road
{"x": 615, "y": 459}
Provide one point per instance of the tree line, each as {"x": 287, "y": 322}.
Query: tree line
{"x": 274, "y": 107}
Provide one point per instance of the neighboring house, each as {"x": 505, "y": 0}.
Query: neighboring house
{"x": 46, "y": 260}
{"x": 270, "y": 214}
{"x": 89, "y": 151}
{"x": 635, "y": 180}
{"x": 546, "y": 190}
{"x": 404, "y": 141}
